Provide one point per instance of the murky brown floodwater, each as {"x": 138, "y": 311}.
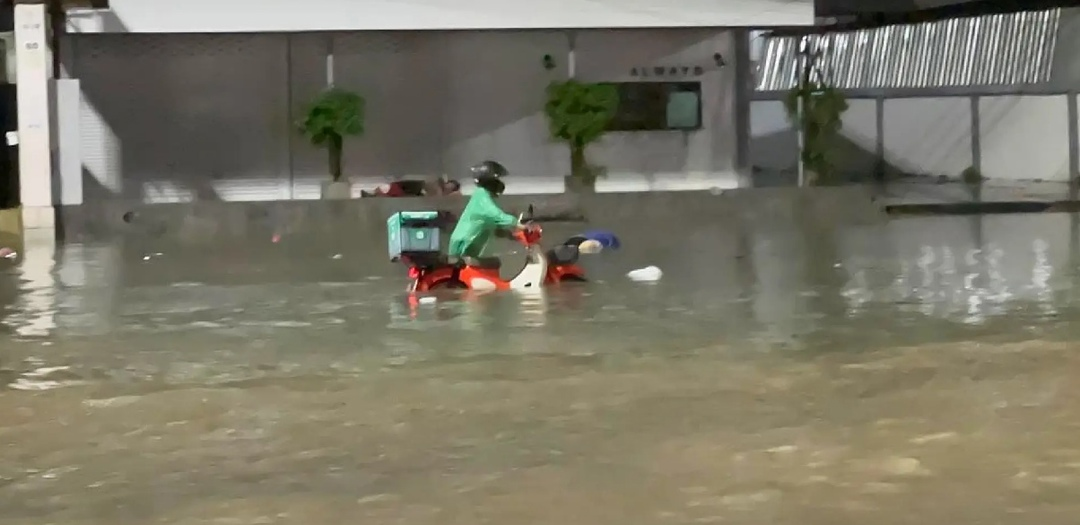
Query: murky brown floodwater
{"x": 920, "y": 372}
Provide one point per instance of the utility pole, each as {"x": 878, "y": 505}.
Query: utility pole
{"x": 803, "y": 80}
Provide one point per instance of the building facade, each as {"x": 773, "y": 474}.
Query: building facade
{"x": 175, "y": 117}
{"x": 162, "y": 102}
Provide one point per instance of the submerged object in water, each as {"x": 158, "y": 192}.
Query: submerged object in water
{"x": 590, "y": 247}
{"x": 594, "y": 241}
{"x": 606, "y": 238}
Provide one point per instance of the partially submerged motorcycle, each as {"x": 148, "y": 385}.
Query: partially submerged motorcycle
{"x": 414, "y": 241}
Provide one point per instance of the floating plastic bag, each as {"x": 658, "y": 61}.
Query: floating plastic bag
{"x": 646, "y": 274}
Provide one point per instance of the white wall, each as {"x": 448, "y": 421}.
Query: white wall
{"x": 774, "y": 144}
{"x": 234, "y": 16}
{"x": 928, "y": 135}
{"x": 1021, "y": 138}
{"x": 181, "y": 117}
{"x": 1025, "y": 138}
{"x": 667, "y": 159}
{"x": 67, "y": 140}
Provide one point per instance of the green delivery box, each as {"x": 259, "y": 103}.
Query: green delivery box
{"x": 412, "y": 233}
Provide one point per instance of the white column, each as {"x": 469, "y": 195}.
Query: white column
{"x": 33, "y": 62}
{"x": 67, "y": 141}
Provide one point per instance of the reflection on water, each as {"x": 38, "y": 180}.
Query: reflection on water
{"x": 970, "y": 288}
{"x": 918, "y": 371}
{"x": 34, "y": 313}
{"x": 971, "y": 279}
{"x": 472, "y": 310}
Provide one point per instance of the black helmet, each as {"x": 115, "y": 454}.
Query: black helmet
{"x": 489, "y": 174}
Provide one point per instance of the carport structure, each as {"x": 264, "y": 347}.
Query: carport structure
{"x": 935, "y": 88}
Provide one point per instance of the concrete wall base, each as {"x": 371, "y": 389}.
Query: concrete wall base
{"x": 11, "y": 229}
{"x": 212, "y": 222}
{"x": 39, "y": 217}
{"x": 28, "y": 230}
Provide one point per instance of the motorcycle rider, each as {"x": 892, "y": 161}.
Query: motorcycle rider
{"x": 482, "y": 217}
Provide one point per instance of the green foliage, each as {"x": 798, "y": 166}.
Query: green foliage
{"x": 578, "y": 114}
{"x": 332, "y": 116}
{"x": 971, "y": 175}
{"x": 823, "y": 108}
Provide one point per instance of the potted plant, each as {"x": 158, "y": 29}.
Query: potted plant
{"x": 821, "y": 119}
{"x": 332, "y": 116}
{"x": 818, "y": 109}
{"x": 578, "y": 114}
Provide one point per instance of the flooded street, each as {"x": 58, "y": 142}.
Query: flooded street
{"x": 920, "y": 371}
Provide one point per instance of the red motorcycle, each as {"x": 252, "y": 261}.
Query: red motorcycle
{"x": 414, "y": 242}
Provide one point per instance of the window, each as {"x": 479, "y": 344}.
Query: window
{"x": 651, "y": 106}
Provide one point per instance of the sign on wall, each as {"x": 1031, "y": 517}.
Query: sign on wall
{"x": 30, "y": 39}
{"x": 674, "y": 71}
{"x": 667, "y": 71}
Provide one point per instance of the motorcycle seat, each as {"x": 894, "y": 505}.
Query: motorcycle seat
{"x": 563, "y": 254}
{"x": 484, "y": 263}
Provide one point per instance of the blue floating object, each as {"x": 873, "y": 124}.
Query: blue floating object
{"x": 606, "y": 238}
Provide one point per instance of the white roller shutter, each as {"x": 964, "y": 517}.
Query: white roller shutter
{"x": 183, "y": 118}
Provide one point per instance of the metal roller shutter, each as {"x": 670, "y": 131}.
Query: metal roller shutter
{"x": 158, "y": 126}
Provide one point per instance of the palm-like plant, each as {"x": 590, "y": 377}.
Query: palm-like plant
{"x": 332, "y": 116}
{"x": 578, "y": 114}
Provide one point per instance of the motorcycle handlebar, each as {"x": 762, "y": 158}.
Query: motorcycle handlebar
{"x": 529, "y": 235}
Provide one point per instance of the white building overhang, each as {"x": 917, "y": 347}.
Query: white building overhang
{"x": 249, "y": 16}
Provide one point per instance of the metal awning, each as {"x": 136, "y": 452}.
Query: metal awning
{"x": 854, "y": 7}
{"x": 834, "y": 8}
{"x": 992, "y": 50}
{"x": 235, "y": 16}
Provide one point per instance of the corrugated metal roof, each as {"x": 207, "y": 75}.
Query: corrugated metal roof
{"x": 1004, "y": 49}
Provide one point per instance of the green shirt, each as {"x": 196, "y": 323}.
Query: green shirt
{"x": 477, "y": 224}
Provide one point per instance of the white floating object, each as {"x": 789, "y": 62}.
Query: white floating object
{"x": 428, "y": 300}
{"x": 12, "y": 138}
{"x": 337, "y": 257}
{"x": 8, "y": 253}
{"x": 646, "y": 274}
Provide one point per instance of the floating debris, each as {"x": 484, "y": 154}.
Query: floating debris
{"x": 646, "y": 274}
